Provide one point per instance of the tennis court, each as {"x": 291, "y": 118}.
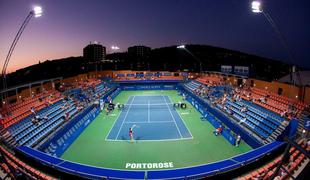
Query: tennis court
{"x": 153, "y": 118}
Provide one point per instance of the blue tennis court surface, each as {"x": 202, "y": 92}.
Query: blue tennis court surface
{"x": 153, "y": 118}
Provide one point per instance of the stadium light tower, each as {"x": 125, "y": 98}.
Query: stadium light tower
{"x": 36, "y": 12}
{"x": 257, "y": 8}
{"x": 196, "y": 58}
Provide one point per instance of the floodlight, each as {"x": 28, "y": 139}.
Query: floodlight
{"x": 114, "y": 47}
{"x": 256, "y": 7}
{"x": 181, "y": 47}
{"x": 37, "y": 11}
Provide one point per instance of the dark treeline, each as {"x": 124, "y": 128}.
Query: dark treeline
{"x": 166, "y": 58}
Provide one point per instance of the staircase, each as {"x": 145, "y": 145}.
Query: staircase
{"x": 276, "y": 133}
{"x": 8, "y": 137}
{"x": 305, "y": 116}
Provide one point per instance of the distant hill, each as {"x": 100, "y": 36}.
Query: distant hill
{"x": 165, "y": 58}
{"x": 171, "y": 58}
{"x": 65, "y": 67}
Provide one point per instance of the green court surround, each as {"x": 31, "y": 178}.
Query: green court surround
{"x": 91, "y": 147}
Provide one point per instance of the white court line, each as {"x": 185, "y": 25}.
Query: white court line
{"x": 125, "y": 117}
{"x": 151, "y": 104}
{"x": 150, "y": 140}
{"x": 183, "y": 121}
{"x": 112, "y": 125}
{"x": 148, "y": 111}
{"x": 146, "y": 122}
{"x": 173, "y": 117}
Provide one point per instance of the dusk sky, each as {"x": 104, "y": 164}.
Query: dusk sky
{"x": 68, "y": 25}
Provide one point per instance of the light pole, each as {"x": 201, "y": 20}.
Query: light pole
{"x": 36, "y": 12}
{"x": 196, "y": 58}
{"x": 257, "y": 7}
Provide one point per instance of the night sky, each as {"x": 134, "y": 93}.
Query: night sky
{"x": 69, "y": 25}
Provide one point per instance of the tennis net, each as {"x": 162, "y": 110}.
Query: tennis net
{"x": 150, "y": 106}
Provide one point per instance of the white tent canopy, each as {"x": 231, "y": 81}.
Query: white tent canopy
{"x": 304, "y": 78}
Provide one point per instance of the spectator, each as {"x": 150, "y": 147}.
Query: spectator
{"x": 107, "y": 110}
{"x": 238, "y": 140}
{"x": 243, "y": 120}
{"x": 34, "y": 121}
{"x": 67, "y": 116}
{"x": 283, "y": 113}
{"x": 262, "y": 99}
{"x": 244, "y": 109}
{"x": 33, "y": 111}
{"x": 218, "y": 131}
{"x": 45, "y": 118}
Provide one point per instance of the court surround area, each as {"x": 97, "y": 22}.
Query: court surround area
{"x": 165, "y": 137}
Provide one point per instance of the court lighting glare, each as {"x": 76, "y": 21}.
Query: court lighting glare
{"x": 257, "y": 7}
{"x": 181, "y": 47}
{"x": 37, "y": 11}
{"x": 114, "y": 47}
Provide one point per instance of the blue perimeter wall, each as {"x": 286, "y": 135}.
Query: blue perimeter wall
{"x": 193, "y": 172}
{"x": 143, "y": 85}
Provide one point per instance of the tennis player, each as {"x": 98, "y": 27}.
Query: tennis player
{"x": 131, "y": 134}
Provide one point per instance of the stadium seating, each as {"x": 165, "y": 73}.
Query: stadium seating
{"x": 265, "y": 172}
{"x": 192, "y": 85}
{"x": 211, "y": 80}
{"x": 19, "y": 166}
{"x": 21, "y": 110}
{"x": 274, "y": 102}
{"x": 260, "y": 121}
{"x": 265, "y": 124}
{"x": 27, "y": 133}
{"x": 64, "y": 135}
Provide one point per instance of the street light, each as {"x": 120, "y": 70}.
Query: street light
{"x": 196, "y": 58}
{"x": 36, "y": 12}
